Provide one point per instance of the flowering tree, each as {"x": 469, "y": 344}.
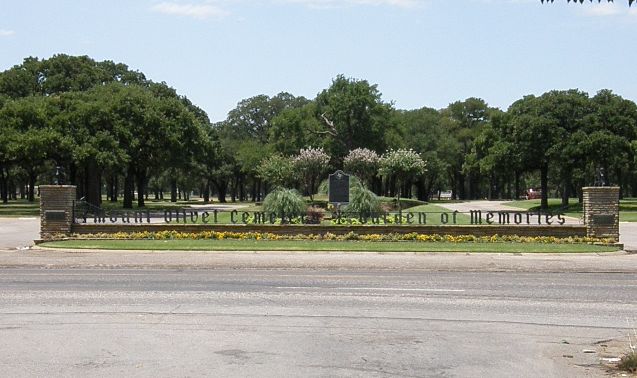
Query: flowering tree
{"x": 403, "y": 165}
{"x": 363, "y": 163}
{"x": 310, "y": 164}
{"x": 278, "y": 170}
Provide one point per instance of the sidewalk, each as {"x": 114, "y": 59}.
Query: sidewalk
{"x": 469, "y": 262}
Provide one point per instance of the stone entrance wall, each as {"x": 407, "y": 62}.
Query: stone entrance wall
{"x": 601, "y": 218}
{"x": 601, "y": 211}
{"x": 56, "y": 210}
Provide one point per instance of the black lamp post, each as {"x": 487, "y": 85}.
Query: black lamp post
{"x": 600, "y": 177}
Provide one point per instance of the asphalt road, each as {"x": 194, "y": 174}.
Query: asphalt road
{"x": 307, "y": 322}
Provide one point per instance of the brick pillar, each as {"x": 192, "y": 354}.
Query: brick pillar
{"x": 601, "y": 211}
{"x": 56, "y": 210}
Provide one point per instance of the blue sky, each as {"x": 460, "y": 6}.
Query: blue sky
{"x": 419, "y": 52}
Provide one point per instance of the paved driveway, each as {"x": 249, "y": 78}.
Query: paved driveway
{"x": 628, "y": 235}
{"x": 465, "y": 207}
{"x": 18, "y": 232}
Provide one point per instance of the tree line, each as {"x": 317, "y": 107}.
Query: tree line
{"x": 114, "y": 132}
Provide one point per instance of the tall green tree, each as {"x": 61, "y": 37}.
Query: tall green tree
{"x": 353, "y": 115}
{"x": 464, "y": 120}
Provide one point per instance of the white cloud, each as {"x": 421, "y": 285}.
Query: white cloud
{"x": 339, "y": 3}
{"x": 6, "y": 33}
{"x": 603, "y": 10}
{"x": 211, "y": 9}
{"x": 198, "y": 11}
{"x": 611, "y": 11}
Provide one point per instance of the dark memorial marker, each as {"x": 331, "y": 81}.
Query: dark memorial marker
{"x": 604, "y": 219}
{"x": 55, "y": 215}
{"x": 338, "y": 189}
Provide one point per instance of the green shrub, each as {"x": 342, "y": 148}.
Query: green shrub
{"x": 363, "y": 201}
{"x": 629, "y": 362}
{"x": 288, "y": 202}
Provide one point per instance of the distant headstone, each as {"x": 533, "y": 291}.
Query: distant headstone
{"x": 338, "y": 188}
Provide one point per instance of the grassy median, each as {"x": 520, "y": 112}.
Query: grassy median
{"x": 323, "y": 245}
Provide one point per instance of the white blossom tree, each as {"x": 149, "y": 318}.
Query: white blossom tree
{"x": 310, "y": 164}
{"x": 403, "y": 165}
{"x": 363, "y": 163}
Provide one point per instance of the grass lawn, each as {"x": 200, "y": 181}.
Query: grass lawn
{"x": 434, "y": 211}
{"x": 20, "y": 208}
{"x": 152, "y": 204}
{"x": 555, "y": 205}
{"x": 353, "y": 246}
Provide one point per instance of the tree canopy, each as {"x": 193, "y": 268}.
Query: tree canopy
{"x": 113, "y": 131}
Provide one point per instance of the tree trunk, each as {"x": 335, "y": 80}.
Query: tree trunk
{"x": 109, "y": 189}
{"x": 221, "y": 190}
{"x": 618, "y": 173}
{"x": 92, "y": 184}
{"x": 242, "y": 190}
{"x": 173, "y": 190}
{"x": 115, "y": 188}
{"x": 12, "y": 191}
{"x": 544, "y": 173}
{"x": 31, "y": 193}
{"x": 3, "y": 186}
{"x": 460, "y": 187}
{"x": 128, "y": 189}
{"x": 141, "y": 187}
{"x": 206, "y": 192}
{"x": 565, "y": 194}
{"x": 233, "y": 190}
{"x": 421, "y": 192}
{"x": 73, "y": 175}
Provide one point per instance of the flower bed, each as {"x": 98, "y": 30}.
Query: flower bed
{"x": 389, "y": 237}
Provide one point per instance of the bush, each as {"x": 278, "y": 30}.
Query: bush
{"x": 629, "y": 362}
{"x": 277, "y": 170}
{"x": 283, "y": 201}
{"x": 315, "y": 215}
{"x": 363, "y": 201}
